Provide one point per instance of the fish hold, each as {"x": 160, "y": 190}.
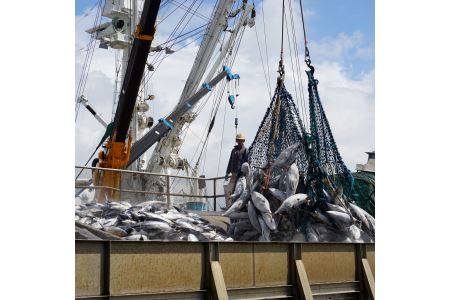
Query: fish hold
{"x": 236, "y": 206}
{"x": 341, "y": 218}
{"x": 253, "y": 216}
{"x": 260, "y": 202}
{"x": 270, "y": 222}
{"x": 116, "y": 231}
{"x": 291, "y": 202}
{"x": 278, "y": 194}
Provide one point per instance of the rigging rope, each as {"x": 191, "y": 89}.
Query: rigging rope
{"x": 88, "y": 59}
{"x": 299, "y": 72}
{"x": 262, "y": 65}
{"x": 307, "y": 58}
{"x": 265, "y": 43}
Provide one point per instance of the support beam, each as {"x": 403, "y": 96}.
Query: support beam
{"x": 219, "y": 289}
{"x": 166, "y": 124}
{"x": 369, "y": 281}
{"x": 304, "y": 288}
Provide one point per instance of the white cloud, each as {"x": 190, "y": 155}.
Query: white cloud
{"x": 349, "y": 102}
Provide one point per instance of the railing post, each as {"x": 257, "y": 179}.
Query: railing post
{"x": 215, "y": 198}
{"x": 120, "y": 184}
{"x": 169, "y": 202}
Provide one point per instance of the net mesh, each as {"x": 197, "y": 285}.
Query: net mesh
{"x": 282, "y": 127}
{"x": 324, "y": 151}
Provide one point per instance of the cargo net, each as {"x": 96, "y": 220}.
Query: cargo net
{"x": 327, "y": 162}
{"x": 280, "y": 128}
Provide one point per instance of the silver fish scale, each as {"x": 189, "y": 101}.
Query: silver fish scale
{"x": 131, "y": 222}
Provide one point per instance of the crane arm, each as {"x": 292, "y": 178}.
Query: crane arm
{"x": 165, "y": 124}
{"x": 117, "y": 148}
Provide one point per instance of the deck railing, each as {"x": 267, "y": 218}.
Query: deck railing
{"x": 168, "y": 184}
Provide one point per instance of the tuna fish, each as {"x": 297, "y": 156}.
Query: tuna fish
{"x": 291, "y": 202}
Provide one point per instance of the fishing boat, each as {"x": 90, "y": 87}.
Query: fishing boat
{"x": 122, "y": 170}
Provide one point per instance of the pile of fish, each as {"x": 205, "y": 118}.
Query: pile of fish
{"x": 145, "y": 221}
{"x": 273, "y": 211}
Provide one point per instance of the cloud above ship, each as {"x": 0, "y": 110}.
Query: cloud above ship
{"x": 347, "y": 96}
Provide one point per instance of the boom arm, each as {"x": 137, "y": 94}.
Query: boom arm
{"x": 118, "y": 148}
{"x": 135, "y": 69}
{"x": 160, "y": 130}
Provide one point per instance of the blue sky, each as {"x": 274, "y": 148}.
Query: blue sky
{"x": 329, "y": 18}
{"x": 341, "y": 41}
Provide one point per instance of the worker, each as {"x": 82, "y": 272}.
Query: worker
{"x": 239, "y": 155}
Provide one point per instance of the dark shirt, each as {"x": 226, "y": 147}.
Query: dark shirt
{"x": 239, "y": 155}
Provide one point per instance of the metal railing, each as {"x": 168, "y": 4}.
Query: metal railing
{"x": 87, "y": 184}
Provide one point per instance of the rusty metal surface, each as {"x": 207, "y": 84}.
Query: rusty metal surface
{"x": 329, "y": 262}
{"x": 138, "y": 267}
{"x": 150, "y": 267}
{"x": 237, "y": 264}
{"x": 191, "y": 295}
{"x": 336, "y": 290}
{"x": 88, "y": 268}
{"x": 370, "y": 253}
{"x": 271, "y": 264}
{"x": 263, "y": 292}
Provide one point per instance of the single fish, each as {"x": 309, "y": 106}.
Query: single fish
{"x": 292, "y": 202}
{"x": 260, "y": 202}
{"x": 265, "y": 232}
{"x": 268, "y": 219}
{"x": 287, "y": 156}
{"x": 335, "y": 207}
{"x": 311, "y": 234}
{"x": 192, "y": 238}
{"x": 356, "y": 211}
{"x": 136, "y": 237}
{"x": 253, "y": 216}
{"x": 115, "y": 230}
{"x": 241, "y": 185}
{"x": 156, "y": 217}
{"x": 278, "y": 194}
{"x": 153, "y": 225}
{"x": 235, "y": 207}
{"x": 340, "y": 218}
{"x": 291, "y": 180}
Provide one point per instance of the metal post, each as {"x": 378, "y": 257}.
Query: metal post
{"x": 215, "y": 198}
{"x": 120, "y": 184}
{"x": 169, "y": 202}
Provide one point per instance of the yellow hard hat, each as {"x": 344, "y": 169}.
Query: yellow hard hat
{"x": 240, "y": 136}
